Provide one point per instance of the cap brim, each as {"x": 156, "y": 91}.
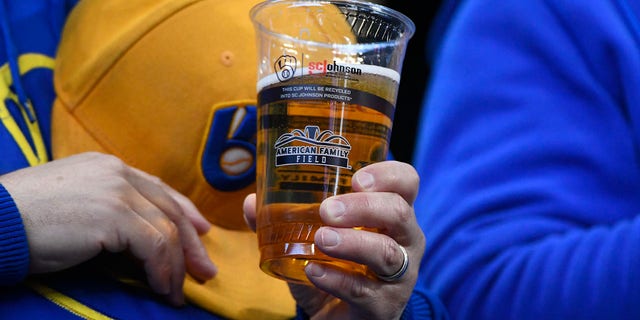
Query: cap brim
{"x": 235, "y": 255}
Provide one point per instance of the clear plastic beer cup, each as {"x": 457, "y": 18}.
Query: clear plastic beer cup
{"x": 328, "y": 76}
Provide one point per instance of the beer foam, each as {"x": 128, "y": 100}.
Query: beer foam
{"x": 366, "y": 68}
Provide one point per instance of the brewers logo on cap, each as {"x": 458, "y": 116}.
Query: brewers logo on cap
{"x": 170, "y": 87}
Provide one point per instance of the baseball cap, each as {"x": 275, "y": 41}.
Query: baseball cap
{"x": 170, "y": 88}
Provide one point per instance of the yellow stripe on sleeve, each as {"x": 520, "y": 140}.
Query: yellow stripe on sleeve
{"x": 66, "y": 302}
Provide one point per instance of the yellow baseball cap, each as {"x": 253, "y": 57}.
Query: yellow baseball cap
{"x": 169, "y": 86}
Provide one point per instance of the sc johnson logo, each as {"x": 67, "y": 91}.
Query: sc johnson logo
{"x": 324, "y": 67}
{"x": 285, "y": 67}
{"x": 312, "y": 147}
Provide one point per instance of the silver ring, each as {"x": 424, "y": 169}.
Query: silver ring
{"x": 398, "y": 274}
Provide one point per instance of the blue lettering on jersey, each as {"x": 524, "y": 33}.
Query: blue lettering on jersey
{"x": 228, "y": 161}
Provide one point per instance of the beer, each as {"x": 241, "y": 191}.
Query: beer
{"x": 314, "y": 132}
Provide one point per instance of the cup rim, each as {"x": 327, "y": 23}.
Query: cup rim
{"x": 404, "y": 36}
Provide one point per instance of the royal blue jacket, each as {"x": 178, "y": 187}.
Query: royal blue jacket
{"x": 30, "y": 32}
{"x": 529, "y": 156}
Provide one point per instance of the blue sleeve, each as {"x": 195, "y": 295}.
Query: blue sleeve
{"x": 424, "y": 305}
{"x": 529, "y": 159}
{"x": 14, "y": 250}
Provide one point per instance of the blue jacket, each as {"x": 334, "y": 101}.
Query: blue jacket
{"x": 30, "y": 32}
{"x": 529, "y": 156}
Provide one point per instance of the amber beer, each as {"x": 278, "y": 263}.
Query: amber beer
{"x": 314, "y": 132}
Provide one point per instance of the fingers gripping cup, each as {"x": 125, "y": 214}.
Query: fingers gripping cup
{"x": 328, "y": 76}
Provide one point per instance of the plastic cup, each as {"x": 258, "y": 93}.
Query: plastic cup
{"x": 328, "y": 77}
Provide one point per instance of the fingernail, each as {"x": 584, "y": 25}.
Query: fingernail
{"x": 365, "y": 179}
{"x": 315, "y": 270}
{"x": 334, "y": 208}
{"x": 329, "y": 238}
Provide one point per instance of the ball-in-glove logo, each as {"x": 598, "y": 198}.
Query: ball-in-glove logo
{"x": 285, "y": 67}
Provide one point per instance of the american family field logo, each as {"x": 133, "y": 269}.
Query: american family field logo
{"x": 312, "y": 147}
{"x": 285, "y": 67}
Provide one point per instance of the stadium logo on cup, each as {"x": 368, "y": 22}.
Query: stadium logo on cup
{"x": 285, "y": 67}
{"x": 312, "y": 147}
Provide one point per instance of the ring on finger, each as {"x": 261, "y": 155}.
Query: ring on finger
{"x": 398, "y": 274}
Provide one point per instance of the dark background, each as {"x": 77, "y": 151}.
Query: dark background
{"x": 415, "y": 74}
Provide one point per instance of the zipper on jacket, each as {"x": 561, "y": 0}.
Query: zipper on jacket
{"x": 31, "y": 144}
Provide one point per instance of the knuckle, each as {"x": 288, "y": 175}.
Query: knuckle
{"x": 155, "y": 179}
{"x": 104, "y": 160}
{"x": 169, "y": 231}
{"x": 159, "y": 243}
{"x": 400, "y": 208}
{"x": 405, "y": 174}
{"x": 112, "y": 162}
{"x": 422, "y": 241}
{"x": 119, "y": 207}
{"x": 108, "y": 159}
{"x": 389, "y": 253}
{"x": 357, "y": 288}
{"x": 413, "y": 179}
{"x": 118, "y": 190}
